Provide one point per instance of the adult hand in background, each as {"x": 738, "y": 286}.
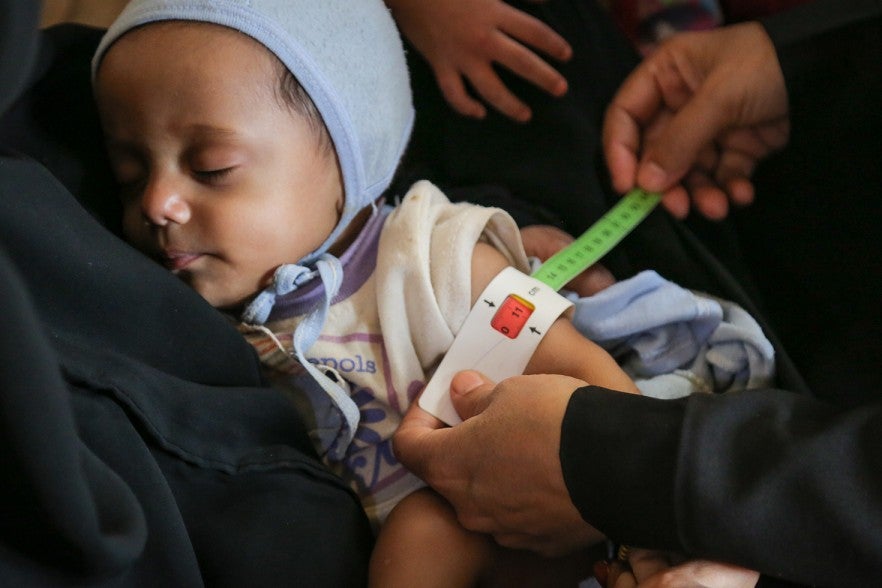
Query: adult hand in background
{"x": 695, "y": 118}
{"x": 500, "y": 468}
{"x": 656, "y": 569}
{"x": 462, "y": 39}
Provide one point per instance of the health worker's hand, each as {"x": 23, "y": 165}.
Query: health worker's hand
{"x": 695, "y": 118}
{"x": 500, "y": 468}
{"x": 462, "y": 39}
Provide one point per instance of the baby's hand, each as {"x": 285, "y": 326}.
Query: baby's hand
{"x": 543, "y": 241}
{"x": 464, "y": 38}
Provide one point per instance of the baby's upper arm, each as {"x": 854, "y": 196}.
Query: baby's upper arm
{"x": 563, "y": 350}
{"x": 487, "y": 262}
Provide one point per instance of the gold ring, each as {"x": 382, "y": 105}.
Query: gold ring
{"x": 623, "y": 553}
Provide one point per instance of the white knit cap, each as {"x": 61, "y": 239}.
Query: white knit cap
{"x": 347, "y": 55}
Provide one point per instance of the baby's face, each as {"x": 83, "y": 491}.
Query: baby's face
{"x": 221, "y": 183}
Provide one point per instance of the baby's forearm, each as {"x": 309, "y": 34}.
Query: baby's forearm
{"x": 565, "y": 351}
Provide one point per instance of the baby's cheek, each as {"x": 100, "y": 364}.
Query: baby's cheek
{"x": 133, "y": 227}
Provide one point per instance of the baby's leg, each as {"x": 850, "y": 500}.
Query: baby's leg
{"x": 422, "y": 544}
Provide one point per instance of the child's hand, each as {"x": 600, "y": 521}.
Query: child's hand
{"x": 543, "y": 241}
{"x": 652, "y": 569}
{"x": 464, "y": 38}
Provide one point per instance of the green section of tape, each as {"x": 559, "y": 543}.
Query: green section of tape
{"x": 598, "y": 240}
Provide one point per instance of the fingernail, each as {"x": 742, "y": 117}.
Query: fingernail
{"x": 566, "y": 54}
{"x": 652, "y": 177}
{"x": 465, "y": 381}
{"x": 523, "y": 115}
{"x": 560, "y": 89}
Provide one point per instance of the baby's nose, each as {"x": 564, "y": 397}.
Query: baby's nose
{"x": 163, "y": 201}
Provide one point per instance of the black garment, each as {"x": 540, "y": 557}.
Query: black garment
{"x": 138, "y": 443}
{"x": 813, "y": 232}
{"x": 769, "y": 479}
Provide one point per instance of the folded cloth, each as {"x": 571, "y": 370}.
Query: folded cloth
{"x": 675, "y": 342}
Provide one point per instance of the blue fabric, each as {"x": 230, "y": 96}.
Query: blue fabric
{"x": 286, "y": 279}
{"x": 675, "y": 342}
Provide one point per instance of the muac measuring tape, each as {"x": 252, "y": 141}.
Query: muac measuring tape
{"x": 514, "y": 311}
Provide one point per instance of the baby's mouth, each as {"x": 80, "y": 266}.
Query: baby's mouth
{"x": 178, "y": 260}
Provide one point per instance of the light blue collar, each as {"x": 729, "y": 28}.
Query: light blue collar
{"x": 287, "y": 279}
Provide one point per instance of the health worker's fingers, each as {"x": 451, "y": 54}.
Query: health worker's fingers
{"x": 709, "y": 198}
{"x": 741, "y": 191}
{"x": 676, "y": 201}
{"x": 418, "y": 438}
{"x": 634, "y": 105}
{"x": 621, "y": 146}
{"x": 668, "y": 156}
{"x": 470, "y": 392}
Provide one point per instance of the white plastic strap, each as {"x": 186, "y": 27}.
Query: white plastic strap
{"x": 498, "y": 337}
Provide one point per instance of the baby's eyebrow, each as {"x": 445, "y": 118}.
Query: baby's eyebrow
{"x": 211, "y": 131}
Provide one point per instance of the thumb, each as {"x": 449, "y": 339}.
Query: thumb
{"x": 668, "y": 156}
{"x": 470, "y": 392}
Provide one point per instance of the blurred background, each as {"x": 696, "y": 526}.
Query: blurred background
{"x": 99, "y": 13}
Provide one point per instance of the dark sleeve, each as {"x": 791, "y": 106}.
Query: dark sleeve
{"x": 830, "y": 50}
{"x": 767, "y": 479}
